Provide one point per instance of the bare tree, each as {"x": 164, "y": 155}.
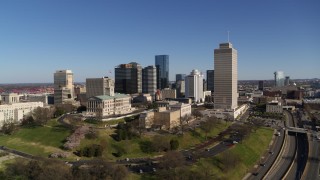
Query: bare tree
{"x": 42, "y": 115}
{"x": 196, "y": 113}
{"x": 208, "y": 125}
{"x": 172, "y": 159}
{"x": 9, "y": 127}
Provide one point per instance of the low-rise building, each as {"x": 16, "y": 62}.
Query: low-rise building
{"x": 102, "y": 106}
{"x": 141, "y": 98}
{"x": 168, "y": 93}
{"x": 165, "y": 103}
{"x": 185, "y": 109}
{"x": 167, "y": 119}
{"x": 274, "y": 107}
{"x": 146, "y": 119}
{"x": 10, "y": 98}
{"x": 15, "y": 112}
{"x": 37, "y": 98}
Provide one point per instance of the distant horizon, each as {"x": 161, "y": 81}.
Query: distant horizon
{"x": 169, "y": 81}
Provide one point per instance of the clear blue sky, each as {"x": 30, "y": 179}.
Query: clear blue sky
{"x": 91, "y": 37}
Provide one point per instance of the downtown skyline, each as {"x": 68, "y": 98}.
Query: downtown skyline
{"x": 91, "y": 38}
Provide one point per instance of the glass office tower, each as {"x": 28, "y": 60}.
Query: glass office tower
{"x": 279, "y": 79}
{"x": 162, "y": 65}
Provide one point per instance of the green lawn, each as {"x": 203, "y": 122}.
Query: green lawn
{"x": 249, "y": 152}
{"x": 132, "y": 146}
{"x": 190, "y": 139}
{"x": 37, "y": 140}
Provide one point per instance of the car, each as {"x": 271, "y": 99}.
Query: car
{"x": 262, "y": 164}
{"x": 271, "y": 152}
{"x": 154, "y": 169}
{"x": 207, "y": 149}
{"x": 140, "y": 171}
{"x": 235, "y": 142}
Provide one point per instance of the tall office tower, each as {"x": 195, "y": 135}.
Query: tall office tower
{"x": 287, "y": 81}
{"x": 225, "y": 77}
{"x": 128, "y": 78}
{"x": 194, "y": 86}
{"x": 210, "y": 80}
{"x": 63, "y": 86}
{"x": 149, "y": 80}
{"x": 162, "y": 65}
{"x": 99, "y": 87}
{"x": 181, "y": 88}
{"x": 261, "y": 86}
{"x": 180, "y": 77}
{"x": 204, "y": 85}
{"x": 279, "y": 79}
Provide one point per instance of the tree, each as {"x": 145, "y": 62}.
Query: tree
{"x": 174, "y": 144}
{"x": 146, "y": 146}
{"x": 208, "y": 125}
{"x": 9, "y": 127}
{"x": 160, "y": 143}
{"x": 183, "y": 120}
{"x": 42, "y": 115}
{"x": 59, "y": 111}
{"x": 27, "y": 121}
{"x": 196, "y": 113}
{"x": 81, "y": 108}
{"x": 172, "y": 159}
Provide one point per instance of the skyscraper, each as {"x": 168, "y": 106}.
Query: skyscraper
{"x": 279, "y": 78}
{"x": 162, "y": 65}
{"x": 63, "y": 86}
{"x": 99, "y": 87}
{"x": 225, "y": 77}
{"x": 287, "y": 81}
{"x": 149, "y": 80}
{"x": 128, "y": 78}
{"x": 261, "y": 85}
{"x": 194, "y": 86}
{"x": 180, "y": 77}
{"x": 210, "y": 80}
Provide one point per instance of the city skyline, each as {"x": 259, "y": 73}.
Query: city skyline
{"x": 91, "y": 38}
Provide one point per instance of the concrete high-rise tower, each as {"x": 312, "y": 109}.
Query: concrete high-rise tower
{"x": 99, "y": 87}
{"x": 162, "y": 65}
{"x": 225, "y": 77}
{"x": 149, "y": 80}
{"x": 287, "y": 81}
{"x": 194, "y": 86}
{"x": 63, "y": 86}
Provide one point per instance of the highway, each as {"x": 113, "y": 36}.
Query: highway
{"x": 299, "y": 164}
{"x": 280, "y": 168}
{"x": 270, "y": 159}
{"x": 312, "y": 167}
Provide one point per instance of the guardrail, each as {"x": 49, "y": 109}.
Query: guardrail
{"x": 278, "y": 156}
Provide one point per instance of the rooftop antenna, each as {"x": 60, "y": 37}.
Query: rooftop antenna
{"x": 228, "y": 36}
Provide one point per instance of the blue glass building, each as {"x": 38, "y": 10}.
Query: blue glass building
{"x": 162, "y": 65}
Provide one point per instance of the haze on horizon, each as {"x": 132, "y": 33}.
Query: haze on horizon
{"x": 92, "y": 37}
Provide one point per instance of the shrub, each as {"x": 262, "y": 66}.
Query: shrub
{"x": 174, "y": 144}
{"x": 146, "y": 146}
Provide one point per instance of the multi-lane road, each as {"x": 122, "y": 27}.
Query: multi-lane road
{"x": 312, "y": 167}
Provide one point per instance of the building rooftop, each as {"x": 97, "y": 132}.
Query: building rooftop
{"x": 116, "y": 96}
